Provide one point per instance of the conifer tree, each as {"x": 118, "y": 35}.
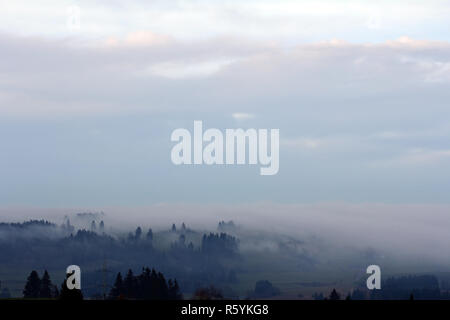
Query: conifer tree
{"x": 138, "y": 233}
{"x": 46, "y": 286}
{"x": 33, "y": 285}
{"x": 334, "y": 295}
{"x": 129, "y": 285}
{"x": 118, "y": 288}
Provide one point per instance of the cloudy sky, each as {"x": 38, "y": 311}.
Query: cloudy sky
{"x": 89, "y": 95}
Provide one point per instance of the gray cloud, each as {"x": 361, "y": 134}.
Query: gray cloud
{"x": 350, "y": 116}
{"x": 324, "y": 81}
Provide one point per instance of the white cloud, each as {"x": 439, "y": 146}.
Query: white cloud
{"x": 242, "y": 116}
{"x": 144, "y": 74}
{"x": 186, "y": 70}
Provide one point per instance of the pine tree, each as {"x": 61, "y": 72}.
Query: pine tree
{"x": 33, "y": 285}
{"x": 149, "y": 285}
{"x": 334, "y": 295}
{"x": 174, "y": 290}
{"x": 46, "y": 286}
{"x": 129, "y": 285}
{"x": 118, "y": 288}
{"x": 69, "y": 227}
{"x": 138, "y": 233}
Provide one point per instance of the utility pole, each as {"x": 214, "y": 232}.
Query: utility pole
{"x": 104, "y": 282}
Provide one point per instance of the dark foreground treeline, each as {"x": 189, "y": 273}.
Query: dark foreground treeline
{"x": 152, "y": 285}
{"x": 149, "y": 285}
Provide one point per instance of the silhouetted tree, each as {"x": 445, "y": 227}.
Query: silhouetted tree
{"x": 138, "y": 233}
{"x": 33, "y": 286}
{"x": 93, "y": 226}
{"x": 149, "y": 285}
{"x": 118, "y": 289}
{"x": 174, "y": 228}
{"x": 334, "y": 295}
{"x": 174, "y": 290}
{"x": 129, "y": 285}
{"x": 67, "y": 226}
{"x": 47, "y": 289}
{"x": 102, "y": 226}
{"x": 222, "y": 243}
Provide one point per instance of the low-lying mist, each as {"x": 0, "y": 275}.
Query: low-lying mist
{"x": 413, "y": 232}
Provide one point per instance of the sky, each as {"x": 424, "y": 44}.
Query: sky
{"x": 90, "y": 93}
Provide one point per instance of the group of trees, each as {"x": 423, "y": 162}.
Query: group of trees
{"x": 334, "y": 295}
{"x": 43, "y": 288}
{"x": 226, "y": 226}
{"x": 26, "y": 224}
{"x": 101, "y": 226}
{"x": 137, "y": 236}
{"x": 212, "y": 260}
{"x": 219, "y": 243}
{"x": 149, "y": 285}
{"x": 183, "y": 227}
{"x": 36, "y": 287}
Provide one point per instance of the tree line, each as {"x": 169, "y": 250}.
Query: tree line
{"x": 149, "y": 285}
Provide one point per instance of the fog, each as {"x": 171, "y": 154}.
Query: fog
{"x": 417, "y": 232}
